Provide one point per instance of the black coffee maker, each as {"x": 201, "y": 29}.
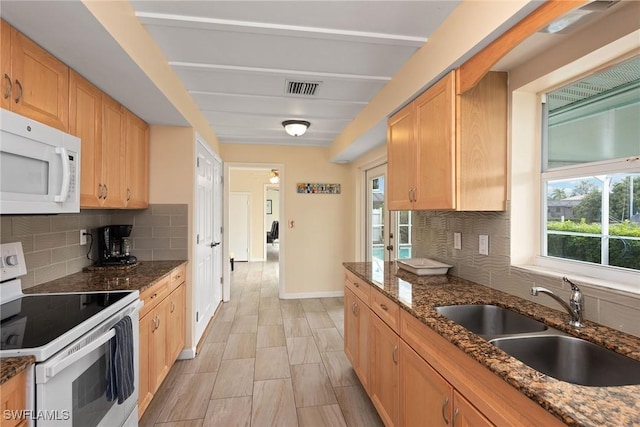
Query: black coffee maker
{"x": 113, "y": 245}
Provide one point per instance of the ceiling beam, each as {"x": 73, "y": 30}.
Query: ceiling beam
{"x": 472, "y": 71}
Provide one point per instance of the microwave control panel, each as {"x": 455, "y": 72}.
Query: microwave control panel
{"x": 73, "y": 158}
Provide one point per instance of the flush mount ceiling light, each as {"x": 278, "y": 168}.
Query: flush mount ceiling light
{"x": 295, "y": 127}
{"x": 274, "y": 177}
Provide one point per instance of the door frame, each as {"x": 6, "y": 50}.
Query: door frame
{"x": 266, "y": 222}
{"x": 226, "y": 288}
{"x": 361, "y": 205}
{"x": 249, "y": 210}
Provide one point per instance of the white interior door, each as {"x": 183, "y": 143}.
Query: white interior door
{"x": 239, "y": 225}
{"x": 206, "y": 280}
{"x": 217, "y": 232}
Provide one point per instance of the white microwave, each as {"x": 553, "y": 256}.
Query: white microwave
{"x": 39, "y": 167}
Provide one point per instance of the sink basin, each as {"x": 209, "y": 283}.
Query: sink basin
{"x": 572, "y": 360}
{"x": 490, "y": 320}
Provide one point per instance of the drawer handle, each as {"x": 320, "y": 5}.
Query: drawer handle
{"x": 20, "y": 91}
{"x": 7, "y": 94}
{"x": 154, "y": 295}
{"x": 384, "y": 307}
{"x": 394, "y": 354}
{"x": 356, "y": 284}
{"x": 444, "y": 405}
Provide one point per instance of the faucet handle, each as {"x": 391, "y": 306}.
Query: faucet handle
{"x": 574, "y": 287}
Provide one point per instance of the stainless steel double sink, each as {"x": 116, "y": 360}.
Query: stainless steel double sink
{"x": 545, "y": 349}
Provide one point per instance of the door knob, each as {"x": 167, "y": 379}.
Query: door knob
{"x": 214, "y": 244}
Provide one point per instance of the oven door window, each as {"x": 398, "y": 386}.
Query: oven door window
{"x": 89, "y": 394}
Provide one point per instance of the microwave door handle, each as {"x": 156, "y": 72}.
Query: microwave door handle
{"x": 52, "y": 371}
{"x": 64, "y": 189}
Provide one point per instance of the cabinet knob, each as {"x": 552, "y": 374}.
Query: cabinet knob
{"x": 19, "y": 97}
{"x": 7, "y": 94}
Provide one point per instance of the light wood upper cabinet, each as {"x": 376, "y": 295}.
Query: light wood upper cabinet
{"x": 113, "y": 154}
{"x": 37, "y": 84}
{"x": 137, "y": 161}
{"x": 85, "y": 122}
{"x": 448, "y": 151}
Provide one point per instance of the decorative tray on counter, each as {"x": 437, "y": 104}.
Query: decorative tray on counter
{"x": 423, "y": 266}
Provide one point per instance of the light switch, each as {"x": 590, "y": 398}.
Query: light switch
{"x": 483, "y": 244}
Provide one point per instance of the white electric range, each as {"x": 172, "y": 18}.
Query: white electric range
{"x": 70, "y": 336}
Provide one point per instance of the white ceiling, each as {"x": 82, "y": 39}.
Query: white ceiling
{"x": 235, "y": 57}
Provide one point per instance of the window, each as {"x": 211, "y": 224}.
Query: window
{"x": 591, "y": 169}
{"x": 403, "y": 231}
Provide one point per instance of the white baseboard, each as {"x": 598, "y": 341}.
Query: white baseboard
{"x": 187, "y": 353}
{"x": 321, "y": 294}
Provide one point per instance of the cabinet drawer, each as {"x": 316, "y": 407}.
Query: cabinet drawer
{"x": 386, "y": 309}
{"x": 178, "y": 276}
{"x": 358, "y": 287}
{"x": 153, "y": 295}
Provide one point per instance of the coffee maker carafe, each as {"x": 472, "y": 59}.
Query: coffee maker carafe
{"x": 113, "y": 245}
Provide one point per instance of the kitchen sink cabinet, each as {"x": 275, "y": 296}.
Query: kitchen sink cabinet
{"x": 136, "y": 161}
{"x": 13, "y": 394}
{"x": 34, "y": 83}
{"x": 162, "y": 333}
{"x": 448, "y": 151}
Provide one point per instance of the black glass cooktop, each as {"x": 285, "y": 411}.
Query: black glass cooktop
{"x": 35, "y": 320}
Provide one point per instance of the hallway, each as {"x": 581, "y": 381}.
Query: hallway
{"x": 266, "y": 362}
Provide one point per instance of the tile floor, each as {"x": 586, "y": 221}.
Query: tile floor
{"x": 266, "y": 362}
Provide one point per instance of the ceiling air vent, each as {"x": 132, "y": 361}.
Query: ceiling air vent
{"x": 296, "y": 87}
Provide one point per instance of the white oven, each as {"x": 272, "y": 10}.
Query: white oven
{"x": 39, "y": 167}
{"x": 71, "y": 387}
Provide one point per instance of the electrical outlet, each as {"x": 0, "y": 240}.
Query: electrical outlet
{"x": 483, "y": 244}
{"x": 83, "y": 237}
{"x": 457, "y": 241}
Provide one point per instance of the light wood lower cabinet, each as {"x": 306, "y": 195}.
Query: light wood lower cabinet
{"x": 162, "y": 333}
{"x": 384, "y": 373}
{"x": 13, "y": 395}
{"x": 417, "y": 377}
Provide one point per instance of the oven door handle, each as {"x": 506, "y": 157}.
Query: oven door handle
{"x": 53, "y": 370}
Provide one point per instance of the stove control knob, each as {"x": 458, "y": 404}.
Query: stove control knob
{"x": 12, "y": 260}
{"x": 12, "y": 339}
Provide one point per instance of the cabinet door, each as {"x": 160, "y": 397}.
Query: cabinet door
{"x": 159, "y": 364}
{"x": 401, "y": 159}
{"x": 356, "y": 335}
{"x": 144, "y": 388}
{"x": 383, "y": 380}
{"x": 466, "y": 415}
{"x": 5, "y": 65}
{"x": 41, "y": 83}
{"x": 175, "y": 323}
{"x": 13, "y": 395}
{"x": 137, "y": 161}
{"x": 85, "y": 122}
{"x": 435, "y": 139}
{"x": 113, "y": 168}
{"x": 424, "y": 394}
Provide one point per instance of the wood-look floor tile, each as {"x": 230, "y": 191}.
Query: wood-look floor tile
{"x": 339, "y": 368}
{"x": 328, "y": 339}
{"x": 245, "y": 324}
{"x": 271, "y": 336}
{"x": 319, "y": 319}
{"x": 316, "y": 416}
{"x": 231, "y": 412}
{"x": 235, "y": 379}
{"x": 311, "y": 385}
{"x": 296, "y": 327}
{"x": 267, "y": 302}
{"x": 270, "y": 291}
{"x": 158, "y": 402}
{"x": 273, "y": 404}
{"x": 312, "y": 304}
{"x": 269, "y": 316}
{"x": 226, "y": 312}
{"x": 240, "y": 346}
{"x": 189, "y": 399}
{"x": 219, "y": 331}
{"x": 357, "y": 408}
{"x": 291, "y": 309}
{"x": 272, "y": 363}
{"x": 332, "y": 303}
{"x": 248, "y": 308}
{"x": 188, "y": 423}
{"x": 208, "y": 360}
{"x": 302, "y": 350}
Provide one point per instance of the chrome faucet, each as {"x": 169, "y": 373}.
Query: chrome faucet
{"x": 575, "y": 308}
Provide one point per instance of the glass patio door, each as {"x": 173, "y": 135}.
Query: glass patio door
{"x": 377, "y": 220}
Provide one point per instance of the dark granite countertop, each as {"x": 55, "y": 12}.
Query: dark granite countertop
{"x": 575, "y": 405}
{"x": 12, "y": 366}
{"x": 137, "y": 278}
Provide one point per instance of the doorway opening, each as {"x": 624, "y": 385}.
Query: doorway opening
{"x": 253, "y": 219}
